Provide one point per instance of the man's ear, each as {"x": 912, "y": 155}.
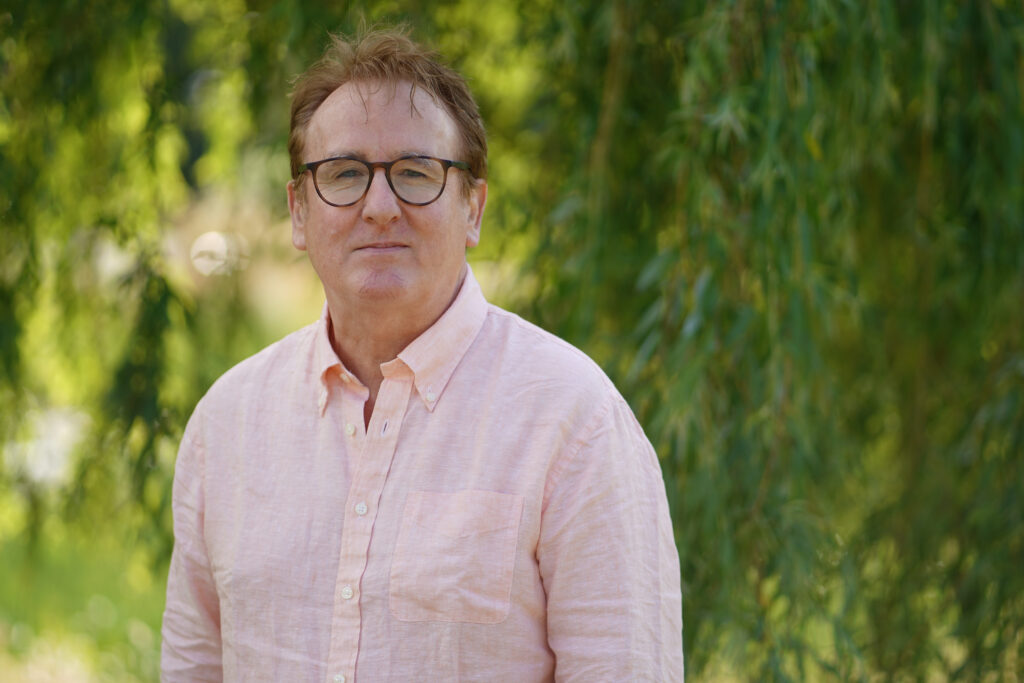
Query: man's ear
{"x": 475, "y": 211}
{"x": 297, "y": 208}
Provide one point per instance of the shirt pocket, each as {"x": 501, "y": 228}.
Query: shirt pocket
{"x": 455, "y": 556}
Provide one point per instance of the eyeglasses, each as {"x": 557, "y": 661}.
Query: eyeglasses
{"x": 417, "y": 180}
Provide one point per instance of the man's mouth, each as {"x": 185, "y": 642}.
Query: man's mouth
{"x": 382, "y": 246}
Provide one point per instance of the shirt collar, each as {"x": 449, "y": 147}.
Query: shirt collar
{"x": 325, "y": 360}
{"x": 432, "y": 357}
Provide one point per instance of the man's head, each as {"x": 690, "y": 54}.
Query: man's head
{"x": 381, "y": 117}
{"x": 385, "y": 59}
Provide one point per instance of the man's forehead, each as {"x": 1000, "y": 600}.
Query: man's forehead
{"x": 378, "y": 94}
{"x": 357, "y": 103}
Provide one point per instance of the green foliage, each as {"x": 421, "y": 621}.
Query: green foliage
{"x": 790, "y": 231}
{"x": 811, "y": 252}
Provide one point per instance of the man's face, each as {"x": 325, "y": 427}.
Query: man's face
{"x": 381, "y": 250}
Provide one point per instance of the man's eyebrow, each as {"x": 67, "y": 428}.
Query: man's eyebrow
{"x": 358, "y": 155}
{"x": 343, "y": 153}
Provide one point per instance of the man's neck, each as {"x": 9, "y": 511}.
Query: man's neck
{"x": 366, "y": 335}
{"x": 363, "y": 346}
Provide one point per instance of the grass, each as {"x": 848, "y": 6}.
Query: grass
{"x": 78, "y": 609}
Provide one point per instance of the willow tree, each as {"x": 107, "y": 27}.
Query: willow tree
{"x": 793, "y": 233}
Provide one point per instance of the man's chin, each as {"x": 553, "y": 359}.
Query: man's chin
{"x": 383, "y": 285}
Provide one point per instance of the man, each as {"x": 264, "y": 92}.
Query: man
{"x": 420, "y": 486}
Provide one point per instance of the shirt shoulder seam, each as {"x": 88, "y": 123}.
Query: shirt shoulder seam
{"x": 574, "y": 448}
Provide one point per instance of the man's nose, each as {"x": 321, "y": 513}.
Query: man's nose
{"x": 380, "y": 205}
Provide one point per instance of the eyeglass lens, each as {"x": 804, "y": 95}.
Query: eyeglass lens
{"x": 416, "y": 180}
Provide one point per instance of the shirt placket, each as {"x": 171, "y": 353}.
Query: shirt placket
{"x": 374, "y": 451}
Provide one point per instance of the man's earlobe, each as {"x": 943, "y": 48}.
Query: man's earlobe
{"x": 475, "y": 212}
{"x": 297, "y": 209}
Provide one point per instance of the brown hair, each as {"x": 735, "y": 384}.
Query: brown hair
{"x": 387, "y": 57}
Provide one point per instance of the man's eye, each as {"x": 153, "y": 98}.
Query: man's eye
{"x": 412, "y": 173}
{"x": 349, "y": 173}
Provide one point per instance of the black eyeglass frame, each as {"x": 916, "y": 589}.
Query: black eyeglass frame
{"x": 386, "y": 165}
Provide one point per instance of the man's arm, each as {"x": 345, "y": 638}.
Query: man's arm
{"x": 608, "y": 559}
{"x": 191, "y": 648}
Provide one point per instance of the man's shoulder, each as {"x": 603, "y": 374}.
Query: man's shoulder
{"x": 542, "y": 355}
{"x": 550, "y": 379}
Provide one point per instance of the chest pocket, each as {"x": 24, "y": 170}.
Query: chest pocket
{"x": 455, "y": 556}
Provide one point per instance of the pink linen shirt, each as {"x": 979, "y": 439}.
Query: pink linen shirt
{"x": 501, "y": 518}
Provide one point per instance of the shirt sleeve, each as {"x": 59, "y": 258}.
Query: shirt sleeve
{"x": 191, "y": 649}
{"x": 608, "y": 558}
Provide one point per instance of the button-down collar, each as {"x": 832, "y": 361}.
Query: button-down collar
{"x": 432, "y": 357}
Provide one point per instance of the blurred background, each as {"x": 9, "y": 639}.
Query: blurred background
{"x": 791, "y": 232}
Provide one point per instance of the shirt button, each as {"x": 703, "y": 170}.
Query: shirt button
{"x": 431, "y": 396}
{"x": 350, "y": 428}
{"x": 340, "y": 678}
{"x": 347, "y": 592}
{"x": 360, "y": 509}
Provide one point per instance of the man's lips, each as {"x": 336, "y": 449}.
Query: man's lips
{"x": 382, "y": 246}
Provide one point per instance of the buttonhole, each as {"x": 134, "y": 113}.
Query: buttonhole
{"x": 384, "y": 428}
